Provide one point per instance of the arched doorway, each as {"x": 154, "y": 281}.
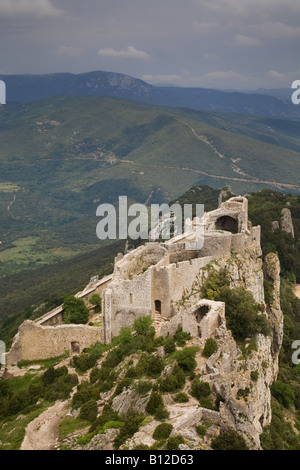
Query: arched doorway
{"x": 158, "y": 306}
{"x": 227, "y": 223}
{"x": 201, "y": 312}
{"x": 75, "y": 347}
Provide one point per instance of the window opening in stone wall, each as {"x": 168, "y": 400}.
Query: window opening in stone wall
{"x": 75, "y": 347}
{"x": 227, "y": 223}
{"x": 201, "y": 312}
{"x": 158, "y": 306}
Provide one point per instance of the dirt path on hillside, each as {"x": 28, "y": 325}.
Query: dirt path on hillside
{"x": 42, "y": 433}
{"x": 296, "y": 290}
{"x": 11, "y": 203}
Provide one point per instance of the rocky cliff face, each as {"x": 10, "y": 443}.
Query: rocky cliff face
{"x": 243, "y": 377}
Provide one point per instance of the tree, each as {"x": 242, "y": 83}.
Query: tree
{"x": 229, "y": 440}
{"x": 283, "y": 393}
{"x": 75, "y": 311}
{"x": 89, "y": 411}
{"x": 211, "y": 346}
{"x": 96, "y": 301}
{"x": 143, "y": 326}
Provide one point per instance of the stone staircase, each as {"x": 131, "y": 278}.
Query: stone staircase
{"x": 157, "y": 323}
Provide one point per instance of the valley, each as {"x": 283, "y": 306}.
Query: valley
{"x": 63, "y": 156}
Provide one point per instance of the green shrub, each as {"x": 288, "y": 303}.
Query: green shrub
{"x": 280, "y": 434}
{"x": 200, "y": 389}
{"x": 211, "y": 346}
{"x": 283, "y": 393}
{"x": 51, "y": 374}
{"x": 201, "y": 430}
{"x": 186, "y": 358}
{"x": 162, "y": 431}
{"x": 82, "y": 395}
{"x": 243, "y": 314}
{"x": 159, "y": 341}
{"x": 161, "y": 413}
{"x": 96, "y": 301}
{"x": 143, "y": 326}
{"x": 107, "y": 415}
{"x": 268, "y": 291}
{"x": 154, "y": 365}
{"x": 229, "y": 440}
{"x": 141, "y": 447}
{"x": 181, "y": 398}
{"x": 84, "y": 361}
{"x": 170, "y": 345}
{"x": 143, "y": 387}
{"x": 82, "y": 441}
{"x": 181, "y": 337}
{"x": 131, "y": 373}
{"x": 75, "y": 311}
{"x": 169, "y": 384}
{"x": 123, "y": 384}
{"x": 131, "y": 426}
{"x": 254, "y": 375}
{"x": 112, "y": 425}
{"x": 89, "y": 411}
{"x": 174, "y": 442}
{"x": 155, "y": 402}
{"x": 243, "y": 393}
{"x": 174, "y": 381}
{"x": 212, "y": 288}
{"x": 57, "y": 383}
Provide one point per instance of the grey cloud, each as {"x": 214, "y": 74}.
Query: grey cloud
{"x": 240, "y": 43}
{"x": 39, "y": 8}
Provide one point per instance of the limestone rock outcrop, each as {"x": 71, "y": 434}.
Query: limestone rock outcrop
{"x": 286, "y": 222}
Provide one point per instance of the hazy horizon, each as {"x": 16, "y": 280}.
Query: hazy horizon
{"x": 222, "y": 44}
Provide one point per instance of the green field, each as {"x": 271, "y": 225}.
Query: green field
{"x": 27, "y": 252}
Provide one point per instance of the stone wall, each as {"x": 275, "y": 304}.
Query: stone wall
{"x": 55, "y": 316}
{"x": 35, "y": 342}
{"x": 124, "y": 301}
{"x": 201, "y": 321}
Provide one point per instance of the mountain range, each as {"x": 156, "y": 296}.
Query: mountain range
{"x": 25, "y": 88}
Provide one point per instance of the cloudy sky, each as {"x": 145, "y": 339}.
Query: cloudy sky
{"x": 240, "y": 44}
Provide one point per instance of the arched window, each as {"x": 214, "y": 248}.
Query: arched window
{"x": 201, "y": 312}
{"x": 227, "y": 223}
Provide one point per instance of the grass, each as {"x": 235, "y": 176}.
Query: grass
{"x": 70, "y": 425}
{"x": 28, "y": 252}
{"x": 21, "y": 384}
{"x": 44, "y": 364}
{"x": 7, "y": 187}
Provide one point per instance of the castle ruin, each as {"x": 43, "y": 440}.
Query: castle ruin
{"x": 151, "y": 281}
